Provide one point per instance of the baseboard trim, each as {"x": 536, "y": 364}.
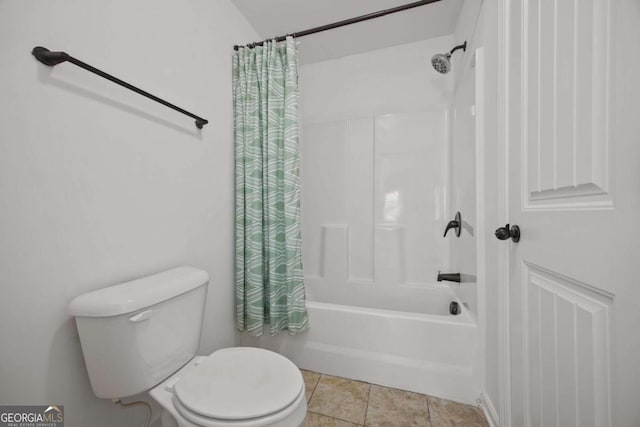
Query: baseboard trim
{"x": 489, "y": 410}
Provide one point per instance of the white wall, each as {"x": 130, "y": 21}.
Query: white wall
{"x": 99, "y": 185}
{"x": 374, "y": 169}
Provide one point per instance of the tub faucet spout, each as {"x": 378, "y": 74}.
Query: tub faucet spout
{"x": 449, "y": 277}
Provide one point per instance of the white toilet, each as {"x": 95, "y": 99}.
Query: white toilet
{"x": 143, "y": 335}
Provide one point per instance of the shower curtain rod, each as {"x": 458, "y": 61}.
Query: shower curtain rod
{"x": 343, "y": 23}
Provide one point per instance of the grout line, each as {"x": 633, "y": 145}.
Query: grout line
{"x": 315, "y": 387}
{"x": 366, "y": 409}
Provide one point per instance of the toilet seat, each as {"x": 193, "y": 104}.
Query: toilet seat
{"x": 296, "y": 411}
{"x": 239, "y": 386}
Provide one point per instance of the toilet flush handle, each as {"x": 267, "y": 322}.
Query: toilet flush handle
{"x": 143, "y": 315}
{"x": 170, "y": 385}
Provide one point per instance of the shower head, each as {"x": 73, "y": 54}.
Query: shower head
{"x": 441, "y": 62}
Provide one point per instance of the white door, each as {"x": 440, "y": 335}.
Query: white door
{"x": 570, "y": 290}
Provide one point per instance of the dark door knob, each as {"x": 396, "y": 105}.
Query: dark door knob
{"x": 508, "y": 232}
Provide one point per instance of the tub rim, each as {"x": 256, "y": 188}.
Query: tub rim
{"x": 464, "y": 319}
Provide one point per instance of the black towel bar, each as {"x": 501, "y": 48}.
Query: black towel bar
{"x": 49, "y": 58}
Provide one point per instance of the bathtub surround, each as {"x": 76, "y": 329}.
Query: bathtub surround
{"x": 269, "y": 278}
{"x": 378, "y": 217}
{"x": 380, "y": 122}
{"x": 374, "y": 168}
{"x": 99, "y": 185}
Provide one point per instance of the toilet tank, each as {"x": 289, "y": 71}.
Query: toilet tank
{"x": 136, "y": 334}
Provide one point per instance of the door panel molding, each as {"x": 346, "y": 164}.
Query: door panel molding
{"x": 565, "y": 62}
{"x": 566, "y": 352}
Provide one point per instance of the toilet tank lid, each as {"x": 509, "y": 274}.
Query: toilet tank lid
{"x": 136, "y": 294}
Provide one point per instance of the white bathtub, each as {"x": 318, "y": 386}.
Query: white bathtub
{"x": 397, "y": 336}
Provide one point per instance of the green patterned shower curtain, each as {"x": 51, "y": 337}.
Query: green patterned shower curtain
{"x": 269, "y": 279}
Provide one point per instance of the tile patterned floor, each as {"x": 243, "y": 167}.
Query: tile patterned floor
{"x": 339, "y": 402}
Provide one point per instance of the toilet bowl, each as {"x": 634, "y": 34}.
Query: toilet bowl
{"x": 143, "y": 335}
{"x": 239, "y": 386}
